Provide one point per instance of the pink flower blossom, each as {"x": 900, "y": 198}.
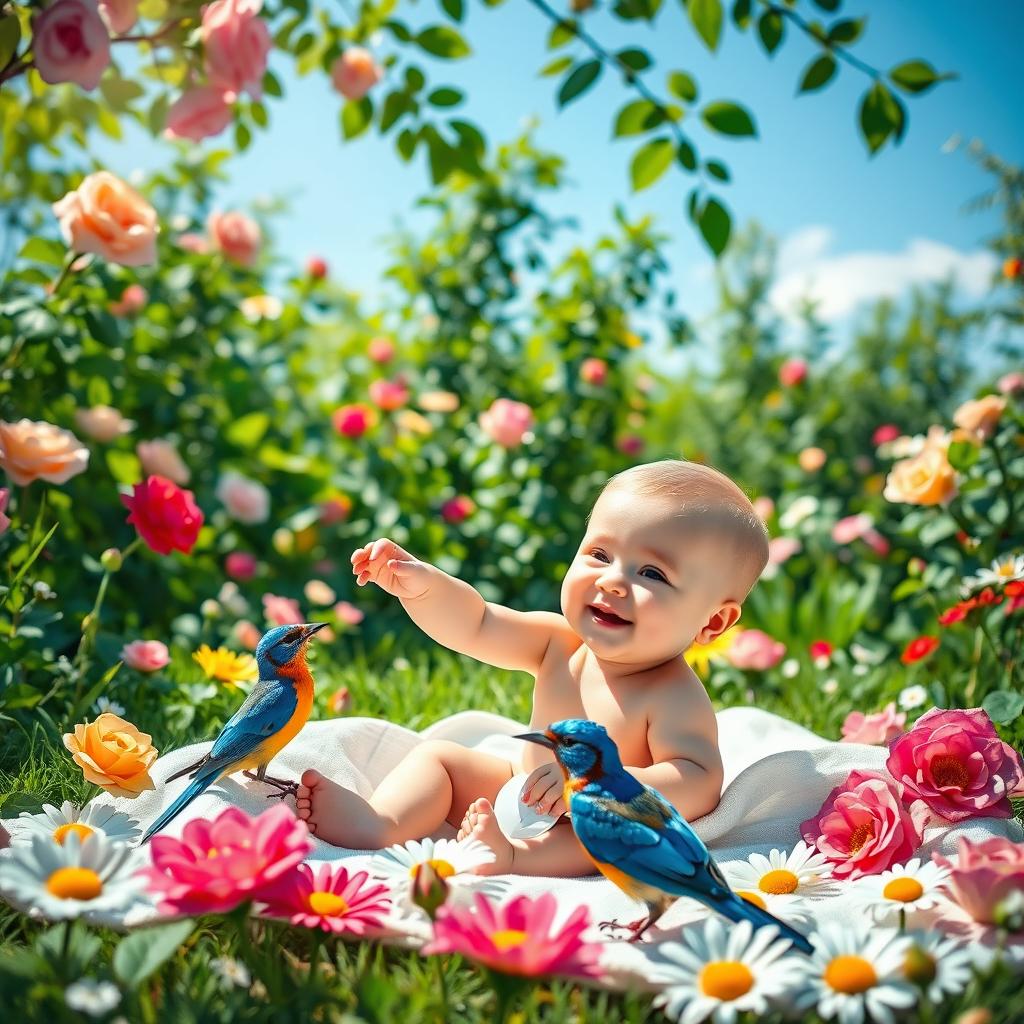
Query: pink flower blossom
{"x": 381, "y": 349}
{"x": 877, "y": 729}
{"x": 103, "y": 423}
{"x": 161, "y": 458}
{"x": 198, "y": 114}
{"x": 247, "y": 634}
{"x": 821, "y": 649}
{"x": 517, "y": 938}
{"x": 876, "y": 542}
{"x": 340, "y": 701}
{"x": 754, "y": 649}
{"x": 348, "y": 613}
{"x": 863, "y": 826}
{"x": 388, "y": 394}
{"x": 166, "y": 517}
{"x": 316, "y": 267}
{"x": 630, "y": 444}
{"x": 594, "y": 371}
{"x": 70, "y": 43}
{"x": 240, "y": 565}
{"x": 458, "y": 509}
{"x": 792, "y": 372}
{"x": 252, "y": 855}
{"x": 235, "y": 235}
{"x": 355, "y": 73}
{"x": 246, "y": 500}
{"x": 133, "y": 300}
{"x": 5, "y": 494}
{"x": 334, "y": 510}
{"x": 955, "y": 761}
{"x": 1011, "y": 383}
{"x": 885, "y": 433}
{"x": 120, "y": 15}
{"x": 852, "y": 528}
{"x": 764, "y": 507}
{"x": 236, "y": 42}
{"x": 986, "y": 873}
{"x": 506, "y": 421}
{"x": 331, "y": 899}
{"x": 281, "y": 611}
{"x": 781, "y": 549}
{"x": 352, "y": 420}
{"x": 145, "y": 655}
{"x": 192, "y": 242}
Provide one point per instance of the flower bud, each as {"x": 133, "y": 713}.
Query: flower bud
{"x": 111, "y": 560}
{"x": 977, "y": 1015}
{"x": 919, "y": 966}
{"x": 429, "y": 889}
{"x": 209, "y": 609}
{"x": 916, "y": 566}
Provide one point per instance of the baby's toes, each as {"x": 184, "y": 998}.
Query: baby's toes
{"x": 311, "y": 778}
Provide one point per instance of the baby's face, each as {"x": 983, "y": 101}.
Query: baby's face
{"x": 644, "y": 582}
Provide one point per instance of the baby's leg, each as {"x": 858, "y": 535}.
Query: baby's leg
{"x": 435, "y": 782}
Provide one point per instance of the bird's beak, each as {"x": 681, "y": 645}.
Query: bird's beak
{"x": 537, "y": 737}
{"x": 309, "y": 628}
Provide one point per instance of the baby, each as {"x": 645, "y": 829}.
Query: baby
{"x": 671, "y": 550}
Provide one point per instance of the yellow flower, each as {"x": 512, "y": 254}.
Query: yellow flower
{"x": 699, "y": 656}
{"x": 113, "y": 754}
{"x": 225, "y": 665}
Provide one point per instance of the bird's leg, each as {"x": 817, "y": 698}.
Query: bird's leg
{"x": 284, "y": 786}
{"x": 635, "y": 928}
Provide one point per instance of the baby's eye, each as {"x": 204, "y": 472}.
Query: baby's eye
{"x": 598, "y": 553}
{"x": 658, "y": 574}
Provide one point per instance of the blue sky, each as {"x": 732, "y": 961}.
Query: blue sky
{"x": 855, "y": 226}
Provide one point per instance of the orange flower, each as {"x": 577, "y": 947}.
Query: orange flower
{"x": 925, "y": 479}
{"x": 980, "y": 417}
{"x": 113, "y": 754}
{"x": 36, "y": 450}
{"x": 919, "y": 648}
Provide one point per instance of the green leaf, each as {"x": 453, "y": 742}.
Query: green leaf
{"x": 650, "y": 162}
{"x": 682, "y": 86}
{"x": 962, "y": 455}
{"x": 581, "y": 78}
{"x": 741, "y": 14}
{"x": 356, "y": 116}
{"x": 445, "y": 97}
{"x": 936, "y": 529}
{"x": 406, "y": 143}
{"x": 441, "y": 156}
{"x": 634, "y": 59}
{"x": 139, "y": 954}
{"x": 715, "y": 225}
{"x": 848, "y": 31}
{"x": 44, "y": 250}
{"x": 248, "y": 430}
{"x": 556, "y": 67}
{"x": 818, "y": 73}
{"x": 454, "y": 9}
{"x": 728, "y": 118}
{"x": 442, "y": 41}
{"x": 271, "y": 84}
{"x": 906, "y": 588}
{"x": 10, "y": 37}
{"x": 242, "y": 136}
{"x": 706, "y": 16}
{"x": 124, "y": 466}
{"x": 687, "y": 155}
{"x": 117, "y": 91}
{"x": 561, "y": 33}
{"x": 828, "y": 5}
{"x": 637, "y": 117}
{"x": 717, "y": 170}
{"x": 395, "y": 105}
{"x": 770, "y": 28}
{"x": 916, "y": 76}
{"x": 881, "y": 115}
{"x": 1003, "y": 706}
{"x": 470, "y": 135}
{"x": 102, "y": 326}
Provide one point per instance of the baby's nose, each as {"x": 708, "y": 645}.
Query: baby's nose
{"x": 611, "y": 581}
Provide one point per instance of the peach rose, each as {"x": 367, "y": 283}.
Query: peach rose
{"x": 106, "y": 216}
{"x": 236, "y": 42}
{"x": 236, "y": 236}
{"x": 70, "y": 43}
{"x": 246, "y": 500}
{"x": 36, "y": 450}
{"x": 281, "y": 611}
{"x": 355, "y": 73}
{"x": 198, "y": 114}
{"x": 438, "y": 401}
{"x": 247, "y": 634}
{"x": 161, "y": 458}
{"x": 812, "y": 459}
{"x": 113, "y": 754}
{"x": 506, "y": 421}
{"x": 103, "y": 423}
{"x": 120, "y": 15}
{"x": 145, "y": 655}
{"x": 925, "y": 479}
{"x": 980, "y": 417}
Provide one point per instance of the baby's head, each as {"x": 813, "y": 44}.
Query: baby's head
{"x": 672, "y": 548}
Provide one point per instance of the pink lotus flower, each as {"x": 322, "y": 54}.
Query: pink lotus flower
{"x": 70, "y": 43}
{"x": 955, "y": 761}
{"x": 240, "y": 565}
{"x": 458, "y": 509}
{"x": 877, "y": 729}
{"x": 133, "y": 300}
{"x": 863, "y": 826}
{"x": 754, "y": 649}
{"x": 506, "y": 421}
{"x": 199, "y": 113}
{"x": 792, "y": 372}
{"x": 517, "y": 938}
{"x": 885, "y": 433}
{"x": 330, "y": 899}
{"x": 594, "y": 371}
{"x": 252, "y": 854}
{"x": 281, "y": 611}
{"x": 388, "y": 394}
{"x": 355, "y": 73}
{"x": 352, "y": 420}
{"x": 348, "y": 613}
{"x": 145, "y": 655}
{"x": 5, "y": 494}
{"x": 985, "y": 875}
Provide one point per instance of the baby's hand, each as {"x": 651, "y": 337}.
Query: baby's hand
{"x": 543, "y": 789}
{"x": 392, "y": 568}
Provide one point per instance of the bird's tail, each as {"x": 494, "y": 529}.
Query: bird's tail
{"x": 194, "y": 767}
{"x": 736, "y": 908}
{"x": 187, "y": 796}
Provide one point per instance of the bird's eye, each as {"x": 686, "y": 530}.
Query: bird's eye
{"x": 568, "y": 743}
{"x": 292, "y": 635}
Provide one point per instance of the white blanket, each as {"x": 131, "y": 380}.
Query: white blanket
{"x": 776, "y": 775}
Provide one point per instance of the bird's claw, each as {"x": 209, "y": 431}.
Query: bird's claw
{"x": 636, "y": 928}
{"x": 284, "y": 787}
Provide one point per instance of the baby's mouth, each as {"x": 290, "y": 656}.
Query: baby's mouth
{"x": 606, "y": 617}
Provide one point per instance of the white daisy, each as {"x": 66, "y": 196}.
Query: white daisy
{"x": 938, "y": 964}
{"x": 95, "y": 998}
{"x": 231, "y": 972}
{"x": 104, "y": 704}
{"x": 453, "y": 860}
{"x": 720, "y": 971}
{"x": 1003, "y": 570}
{"x": 55, "y": 881}
{"x": 803, "y": 872}
{"x": 854, "y": 973}
{"x": 904, "y": 887}
{"x": 56, "y": 824}
{"x": 913, "y": 697}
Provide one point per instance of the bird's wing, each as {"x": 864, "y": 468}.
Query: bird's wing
{"x": 267, "y": 709}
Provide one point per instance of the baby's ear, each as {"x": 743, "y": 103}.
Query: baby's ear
{"x": 727, "y": 614}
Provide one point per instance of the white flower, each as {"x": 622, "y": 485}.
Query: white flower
{"x": 1003, "y": 570}
{"x": 911, "y": 886}
{"x": 42, "y": 592}
{"x": 95, "y": 998}
{"x": 938, "y": 964}
{"x": 454, "y": 860}
{"x": 913, "y": 697}
{"x": 231, "y": 598}
{"x": 400, "y": 664}
{"x": 105, "y": 704}
{"x": 790, "y": 668}
{"x": 854, "y": 973}
{"x": 231, "y": 971}
{"x": 55, "y": 824}
{"x": 57, "y": 881}
{"x": 720, "y": 972}
{"x": 830, "y": 686}
{"x": 266, "y": 307}
{"x": 781, "y": 880}
{"x": 798, "y": 510}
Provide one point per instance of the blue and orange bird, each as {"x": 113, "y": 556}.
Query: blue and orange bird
{"x": 635, "y": 837}
{"x": 275, "y": 710}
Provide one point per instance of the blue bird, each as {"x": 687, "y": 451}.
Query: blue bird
{"x": 635, "y": 837}
{"x": 277, "y": 707}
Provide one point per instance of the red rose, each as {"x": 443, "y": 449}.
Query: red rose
{"x": 166, "y": 516}
{"x": 919, "y": 648}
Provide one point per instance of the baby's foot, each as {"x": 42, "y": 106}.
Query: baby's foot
{"x": 480, "y": 823}
{"x": 321, "y": 804}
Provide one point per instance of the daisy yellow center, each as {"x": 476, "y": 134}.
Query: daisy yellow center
{"x": 63, "y": 831}
{"x": 904, "y": 889}
{"x": 778, "y": 882}
{"x": 726, "y": 980}
{"x": 752, "y": 897}
{"x": 850, "y": 974}
{"x": 949, "y": 770}
{"x": 508, "y": 938}
{"x": 327, "y": 904}
{"x": 1006, "y": 569}
{"x": 441, "y": 867}
{"x": 74, "y": 884}
{"x": 860, "y": 835}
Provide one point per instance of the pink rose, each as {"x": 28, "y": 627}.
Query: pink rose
{"x": 630, "y": 444}
{"x": 877, "y": 729}
{"x": 191, "y": 242}
{"x": 388, "y": 394}
{"x": 458, "y": 509}
{"x": 348, "y": 613}
{"x": 145, "y": 655}
{"x": 240, "y": 565}
{"x": 885, "y": 433}
{"x": 876, "y": 542}
{"x": 852, "y": 528}
{"x": 753, "y": 649}
{"x": 236, "y": 236}
{"x": 781, "y": 549}
{"x": 161, "y": 458}
{"x": 166, "y": 517}
{"x": 5, "y": 494}
{"x": 381, "y": 349}
{"x": 352, "y": 420}
{"x": 120, "y": 15}
{"x": 792, "y": 372}
{"x": 246, "y": 500}
{"x": 506, "y": 421}
{"x": 282, "y": 611}
{"x": 236, "y": 42}
{"x": 594, "y": 371}
{"x": 955, "y": 761}
{"x": 133, "y": 300}
{"x": 70, "y": 43}
{"x": 355, "y": 73}
{"x": 198, "y": 114}
{"x": 985, "y": 875}
{"x": 863, "y": 826}
{"x": 316, "y": 267}
{"x": 1011, "y": 383}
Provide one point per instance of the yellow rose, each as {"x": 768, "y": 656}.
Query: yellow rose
{"x": 926, "y": 479}
{"x": 980, "y": 417}
{"x": 113, "y": 754}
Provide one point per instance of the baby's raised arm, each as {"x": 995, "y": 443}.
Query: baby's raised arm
{"x": 455, "y": 614}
